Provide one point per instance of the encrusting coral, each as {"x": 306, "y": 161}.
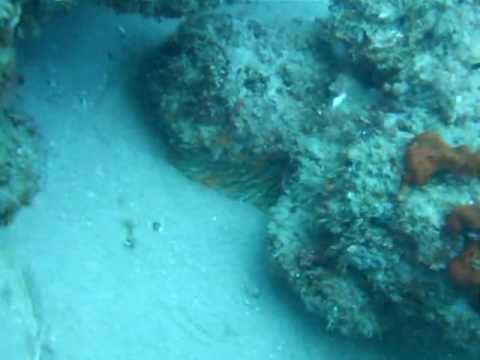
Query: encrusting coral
{"x": 428, "y": 155}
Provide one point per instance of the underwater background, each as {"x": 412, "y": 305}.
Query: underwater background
{"x": 210, "y": 179}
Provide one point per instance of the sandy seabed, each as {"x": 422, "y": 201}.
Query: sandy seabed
{"x": 120, "y": 256}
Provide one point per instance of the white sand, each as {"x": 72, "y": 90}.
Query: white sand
{"x": 199, "y": 288}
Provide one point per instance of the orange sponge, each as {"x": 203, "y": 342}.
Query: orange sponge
{"x": 428, "y": 155}
{"x": 463, "y": 218}
{"x": 464, "y": 270}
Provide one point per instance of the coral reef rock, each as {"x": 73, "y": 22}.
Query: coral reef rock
{"x": 20, "y": 163}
